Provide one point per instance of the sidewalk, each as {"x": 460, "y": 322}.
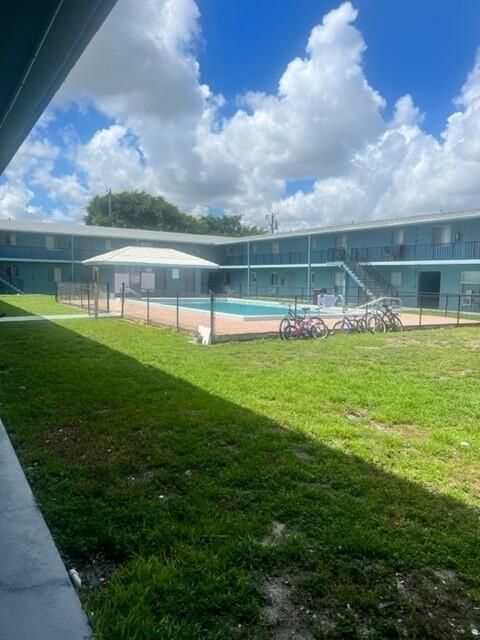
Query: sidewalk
{"x": 57, "y": 316}
{"x": 37, "y": 599}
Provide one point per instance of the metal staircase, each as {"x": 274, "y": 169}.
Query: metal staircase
{"x": 369, "y": 279}
{"x": 10, "y": 285}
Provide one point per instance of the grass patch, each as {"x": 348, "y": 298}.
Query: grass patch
{"x": 31, "y": 305}
{"x": 255, "y": 490}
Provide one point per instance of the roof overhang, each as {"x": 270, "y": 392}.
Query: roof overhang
{"x": 40, "y": 41}
{"x": 149, "y": 257}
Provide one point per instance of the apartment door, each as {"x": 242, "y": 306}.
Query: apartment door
{"x": 429, "y": 289}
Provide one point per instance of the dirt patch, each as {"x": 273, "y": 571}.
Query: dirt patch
{"x": 356, "y": 415}
{"x": 409, "y": 431}
{"x": 304, "y": 455}
{"x": 461, "y": 373}
{"x": 276, "y": 535}
{"x": 284, "y": 616}
{"x": 96, "y": 572}
{"x": 141, "y": 478}
{"x": 431, "y": 605}
{"x": 438, "y": 601}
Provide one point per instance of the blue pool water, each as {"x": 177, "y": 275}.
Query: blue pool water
{"x": 234, "y": 307}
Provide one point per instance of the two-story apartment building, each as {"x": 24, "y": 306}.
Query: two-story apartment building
{"x": 431, "y": 254}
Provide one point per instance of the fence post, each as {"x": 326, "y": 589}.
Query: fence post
{"x": 240, "y": 290}
{"x": 177, "y": 313}
{"x": 212, "y": 318}
{"x": 256, "y": 291}
{"x": 123, "y": 299}
{"x": 81, "y": 296}
{"x": 458, "y": 310}
{"x": 88, "y": 297}
{"x": 420, "y": 316}
{"x": 148, "y": 307}
{"x": 56, "y": 292}
{"x": 108, "y": 297}
{"x": 295, "y": 306}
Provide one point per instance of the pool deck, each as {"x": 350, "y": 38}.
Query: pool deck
{"x": 229, "y": 327}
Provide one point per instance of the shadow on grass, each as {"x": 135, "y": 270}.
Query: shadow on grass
{"x": 14, "y": 305}
{"x": 10, "y": 310}
{"x": 220, "y": 523}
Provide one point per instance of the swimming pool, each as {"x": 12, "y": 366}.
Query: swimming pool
{"x": 246, "y": 309}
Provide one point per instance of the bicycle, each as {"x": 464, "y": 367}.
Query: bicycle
{"x": 350, "y": 324}
{"x": 390, "y": 318}
{"x": 306, "y": 326}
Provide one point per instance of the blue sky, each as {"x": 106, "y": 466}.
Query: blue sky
{"x": 421, "y": 47}
{"x": 378, "y": 112}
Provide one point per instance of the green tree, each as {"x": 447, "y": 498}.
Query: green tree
{"x": 140, "y": 210}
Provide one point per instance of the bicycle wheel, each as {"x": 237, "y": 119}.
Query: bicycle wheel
{"x": 362, "y": 324}
{"x": 397, "y": 324}
{"x": 319, "y": 330}
{"x": 375, "y": 324}
{"x": 342, "y": 326}
{"x": 285, "y": 329}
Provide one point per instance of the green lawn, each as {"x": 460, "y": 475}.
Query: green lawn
{"x": 255, "y": 490}
{"x": 31, "y": 305}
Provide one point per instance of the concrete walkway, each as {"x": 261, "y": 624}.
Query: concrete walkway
{"x": 37, "y": 599}
{"x": 57, "y": 316}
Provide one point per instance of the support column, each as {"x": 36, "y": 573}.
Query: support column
{"x": 248, "y": 269}
{"x": 309, "y": 265}
{"x": 73, "y": 260}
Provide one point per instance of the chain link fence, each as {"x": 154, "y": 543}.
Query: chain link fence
{"x": 93, "y": 298}
{"x": 219, "y": 317}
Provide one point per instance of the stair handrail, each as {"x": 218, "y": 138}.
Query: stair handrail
{"x": 368, "y": 269}
{"x": 393, "y": 302}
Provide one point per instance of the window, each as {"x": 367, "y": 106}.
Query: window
{"x": 108, "y": 244}
{"x": 341, "y": 241}
{"x": 55, "y": 274}
{"x": 145, "y": 243}
{"x": 339, "y": 279}
{"x": 398, "y": 237}
{"x": 275, "y": 248}
{"x": 274, "y": 279}
{"x": 470, "y": 277}
{"x": 49, "y": 242}
{"x": 442, "y": 234}
{"x": 470, "y": 287}
{"x": 11, "y": 238}
{"x": 255, "y": 248}
{"x": 12, "y": 271}
{"x": 175, "y": 274}
{"x": 253, "y": 276}
{"x": 396, "y": 279}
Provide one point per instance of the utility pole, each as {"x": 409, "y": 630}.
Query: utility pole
{"x": 109, "y": 199}
{"x": 272, "y": 221}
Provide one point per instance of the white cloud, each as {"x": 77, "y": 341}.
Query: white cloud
{"x": 325, "y": 122}
{"x": 16, "y": 193}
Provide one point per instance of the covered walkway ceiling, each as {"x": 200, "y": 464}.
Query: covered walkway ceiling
{"x": 40, "y": 41}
